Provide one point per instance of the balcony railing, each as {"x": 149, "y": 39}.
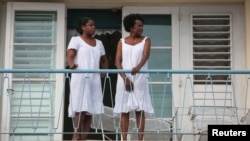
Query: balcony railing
{"x": 33, "y": 104}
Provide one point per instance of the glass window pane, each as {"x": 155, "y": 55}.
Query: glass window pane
{"x": 160, "y": 59}
{"x": 159, "y": 29}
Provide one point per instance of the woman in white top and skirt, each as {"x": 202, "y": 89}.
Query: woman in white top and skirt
{"x": 86, "y": 98}
{"x": 132, "y": 90}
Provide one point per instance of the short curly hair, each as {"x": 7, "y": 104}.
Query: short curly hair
{"x": 82, "y": 21}
{"x": 129, "y": 21}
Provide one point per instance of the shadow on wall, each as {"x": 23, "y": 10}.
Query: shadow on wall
{"x": 110, "y": 43}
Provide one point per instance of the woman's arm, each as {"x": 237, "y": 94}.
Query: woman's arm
{"x": 146, "y": 54}
{"x": 71, "y": 53}
{"x": 118, "y": 63}
{"x": 104, "y": 62}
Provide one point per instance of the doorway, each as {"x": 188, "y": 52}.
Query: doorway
{"x": 108, "y": 30}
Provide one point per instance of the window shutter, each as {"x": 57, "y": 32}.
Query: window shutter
{"x": 211, "y": 46}
{"x": 34, "y": 48}
{"x": 34, "y": 40}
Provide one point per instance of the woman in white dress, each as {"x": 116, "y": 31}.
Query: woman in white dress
{"x": 132, "y": 90}
{"x": 85, "y": 52}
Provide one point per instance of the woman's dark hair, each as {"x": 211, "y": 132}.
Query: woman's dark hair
{"x": 83, "y": 21}
{"x": 129, "y": 21}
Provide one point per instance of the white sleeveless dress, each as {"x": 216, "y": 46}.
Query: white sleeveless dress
{"x": 85, "y": 88}
{"x": 139, "y": 99}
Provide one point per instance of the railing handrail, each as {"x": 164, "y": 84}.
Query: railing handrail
{"x": 172, "y": 71}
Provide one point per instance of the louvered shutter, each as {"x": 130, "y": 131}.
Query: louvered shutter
{"x": 34, "y": 48}
{"x": 211, "y": 46}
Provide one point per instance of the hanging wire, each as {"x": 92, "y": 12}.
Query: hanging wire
{"x": 188, "y": 79}
{"x": 225, "y": 99}
{"x": 167, "y": 79}
{"x": 51, "y": 100}
{"x": 106, "y": 78}
{"x": 26, "y": 79}
{"x": 208, "y": 80}
{"x": 45, "y": 81}
{"x": 234, "y": 100}
{"x": 62, "y": 100}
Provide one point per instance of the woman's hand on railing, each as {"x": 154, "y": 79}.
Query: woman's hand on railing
{"x": 73, "y": 66}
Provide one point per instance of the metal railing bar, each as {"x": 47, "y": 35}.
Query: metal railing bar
{"x": 158, "y": 71}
